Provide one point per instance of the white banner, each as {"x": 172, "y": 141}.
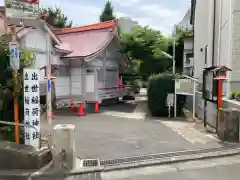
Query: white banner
{"x": 31, "y": 107}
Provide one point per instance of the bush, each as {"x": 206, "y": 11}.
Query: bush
{"x": 136, "y": 85}
{"x": 158, "y": 88}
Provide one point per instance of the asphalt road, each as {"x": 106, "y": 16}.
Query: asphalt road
{"x": 108, "y": 137}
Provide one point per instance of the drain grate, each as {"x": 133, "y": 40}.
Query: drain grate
{"x": 125, "y": 160}
{"x": 90, "y": 163}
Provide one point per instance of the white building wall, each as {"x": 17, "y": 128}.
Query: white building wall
{"x": 235, "y": 39}
{"x": 203, "y": 37}
{"x": 35, "y": 40}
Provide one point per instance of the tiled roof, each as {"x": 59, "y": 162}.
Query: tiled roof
{"x": 102, "y": 25}
{"x": 87, "y": 40}
{"x": 86, "y": 43}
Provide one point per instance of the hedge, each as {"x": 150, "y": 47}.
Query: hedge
{"x": 159, "y": 86}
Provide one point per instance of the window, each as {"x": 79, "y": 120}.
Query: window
{"x": 188, "y": 57}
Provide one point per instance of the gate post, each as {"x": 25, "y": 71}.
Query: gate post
{"x": 64, "y": 154}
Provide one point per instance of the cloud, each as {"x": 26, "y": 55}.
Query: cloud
{"x": 159, "y": 14}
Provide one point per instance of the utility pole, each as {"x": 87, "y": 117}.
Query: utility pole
{"x": 48, "y": 91}
{"x": 174, "y": 71}
{"x": 174, "y": 51}
{"x": 15, "y": 83}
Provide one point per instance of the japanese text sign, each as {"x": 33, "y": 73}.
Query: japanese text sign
{"x": 31, "y": 107}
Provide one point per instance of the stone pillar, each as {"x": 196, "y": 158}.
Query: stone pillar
{"x": 64, "y": 147}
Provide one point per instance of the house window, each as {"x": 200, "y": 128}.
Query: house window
{"x": 188, "y": 57}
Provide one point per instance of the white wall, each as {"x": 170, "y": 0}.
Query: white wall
{"x": 35, "y": 40}
{"x": 202, "y": 36}
{"x": 235, "y": 38}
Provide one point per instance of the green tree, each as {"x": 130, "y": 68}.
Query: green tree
{"x": 107, "y": 13}
{"x": 55, "y": 17}
{"x": 149, "y": 47}
{"x": 27, "y": 59}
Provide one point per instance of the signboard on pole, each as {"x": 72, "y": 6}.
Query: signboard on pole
{"x": 184, "y": 86}
{"x": 31, "y": 107}
{"x": 22, "y": 9}
{"x": 14, "y": 55}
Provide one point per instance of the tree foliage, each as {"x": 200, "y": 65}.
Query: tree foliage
{"x": 148, "y": 47}
{"x": 27, "y": 59}
{"x": 56, "y": 18}
{"x": 107, "y": 13}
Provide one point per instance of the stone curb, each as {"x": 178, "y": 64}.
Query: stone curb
{"x": 174, "y": 159}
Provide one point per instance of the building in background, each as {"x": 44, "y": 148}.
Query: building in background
{"x": 188, "y": 63}
{"x": 126, "y": 24}
{"x": 185, "y": 23}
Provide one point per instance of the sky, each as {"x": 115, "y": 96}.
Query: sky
{"x": 158, "y": 14}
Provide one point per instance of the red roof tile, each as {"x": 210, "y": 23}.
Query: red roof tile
{"x": 102, "y": 25}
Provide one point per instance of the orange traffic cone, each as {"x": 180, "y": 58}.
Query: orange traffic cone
{"x": 53, "y": 117}
{"x": 96, "y": 107}
{"x": 80, "y": 110}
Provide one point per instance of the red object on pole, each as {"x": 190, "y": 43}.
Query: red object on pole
{"x": 219, "y": 98}
{"x": 53, "y": 117}
{"x": 96, "y": 107}
{"x": 80, "y": 110}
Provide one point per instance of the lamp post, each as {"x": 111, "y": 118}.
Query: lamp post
{"x": 174, "y": 50}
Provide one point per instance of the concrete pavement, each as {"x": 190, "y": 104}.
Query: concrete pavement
{"x": 212, "y": 169}
{"x": 108, "y": 137}
{"x": 123, "y": 130}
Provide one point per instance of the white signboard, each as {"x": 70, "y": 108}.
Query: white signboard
{"x": 184, "y": 86}
{"x": 22, "y": 9}
{"x": 14, "y": 55}
{"x": 31, "y": 107}
{"x": 169, "y": 100}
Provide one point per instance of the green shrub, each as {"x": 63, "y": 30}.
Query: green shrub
{"x": 159, "y": 86}
{"x": 136, "y": 85}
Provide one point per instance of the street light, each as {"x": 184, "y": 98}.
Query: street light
{"x": 174, "y": 49}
